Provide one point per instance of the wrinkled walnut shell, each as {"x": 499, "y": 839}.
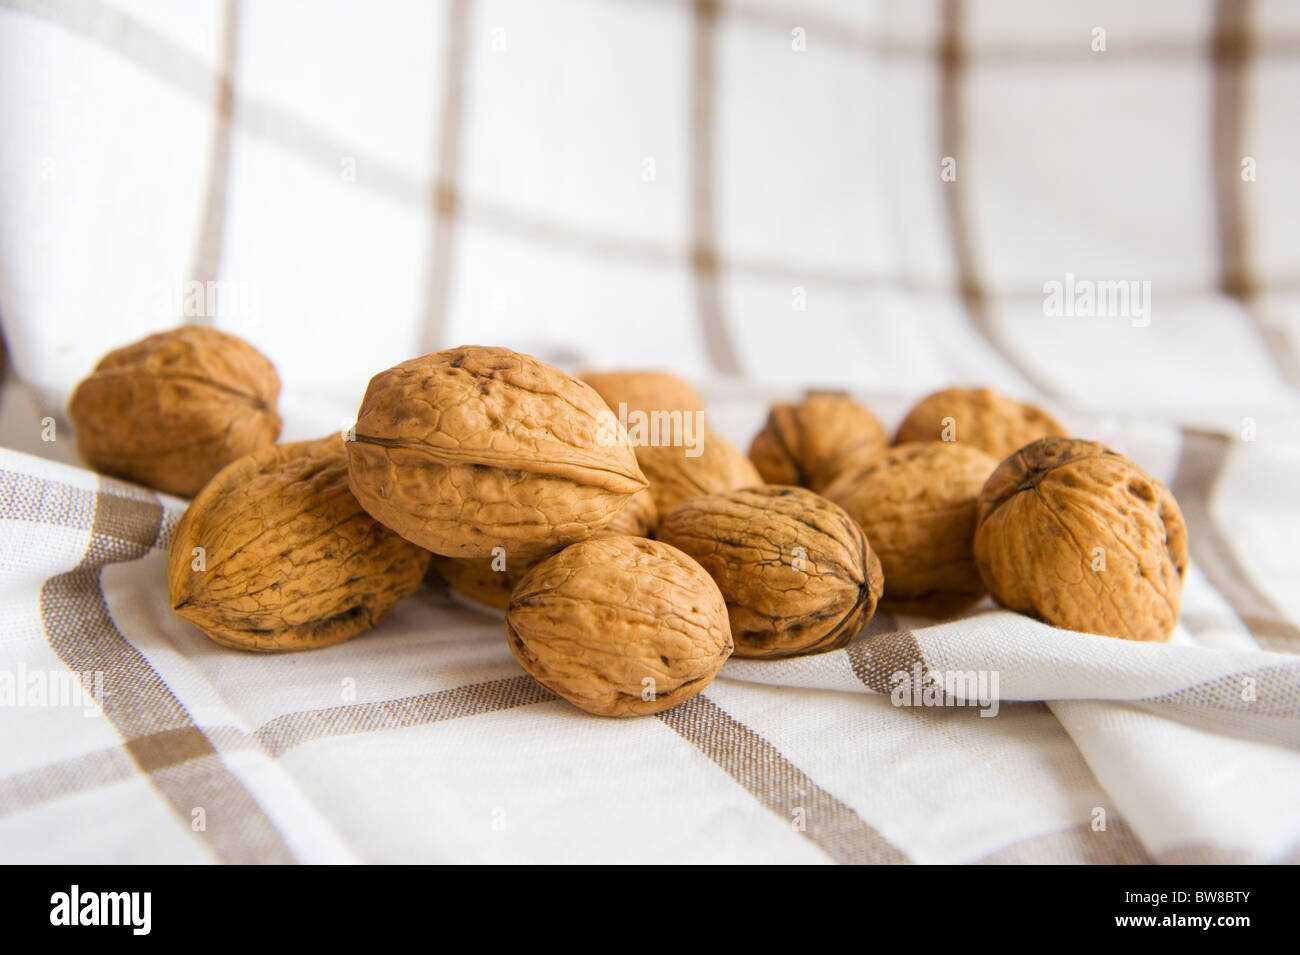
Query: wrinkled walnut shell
{"x": 917, "y": 506}
{"x": 796, "y": 570}
{"x": 638, "y": 518}
{"x": 619, "y": 626}
{"x": 978, "y": 416}
{"x": 480, "y": 579}
{"x": 175, "y": 408}
{"x": 675, "y": 476}
{"x": 1078, "y": 536}
{"x": 646, "y": 391}
{"x": 809, "y": 443}
{"x": 475, "y": 448}
{"x": 290, "y": 561}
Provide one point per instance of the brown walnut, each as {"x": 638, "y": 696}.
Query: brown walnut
{"x": 173, "y": 409}
{"x": 979, "y": 416}
{"x": 676, "y": 476}
{"x": 646, "y": 391}
{"x": 288, "y": 559}
{"x": 796, "y": 570}
{"x": 474, "y": 448}
{"x": 491, "y": 580}
{"x": 619, "y": 626}
{"x": 917, "y": 506}
{"x": 479, "y": 578}
{"x": 1077, "y": 535}
{"x": 638, "y": 518}
{"x": 811, "y": 442}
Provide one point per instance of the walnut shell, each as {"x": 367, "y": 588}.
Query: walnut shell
{"x": 479, "y": 579}
{"x": 809, "y": 443}
{"x": 175, "y": 408}
{"x": 675, "y": 476}
{"x": 917, "y": 506}
{"x": 474, "y": 448}
{"x": 619, "y": 626}
{"x": 796, "y": 570}
{"x": 290, "y": 561}
{"x": 645, "y": 391}
{"x": 1074, "y": 534}
{"x": 490, "y": 580}
{"x": 978, "y": 416}
{"x": 638, "y": 518}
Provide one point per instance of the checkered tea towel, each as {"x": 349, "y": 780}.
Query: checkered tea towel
{"x": 985, "y": 739}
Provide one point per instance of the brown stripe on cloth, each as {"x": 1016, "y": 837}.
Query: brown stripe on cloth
{"x": 207, "y": 254}
{"x": 778, "y": 784}
{"x": 1225, "y": 722}
{"x": 704, "y": 255}
{"x": 159, "y": 734}
{"x": 60, "y": 505}
{"x": 170, "y": 748}
{"x": 1271, "y": 691}
{"x": 1200, "y": 465}
{"x": 876, "y": 659}
{"x": 952, "y": 134}
{"x": 1078, "y": 845}
{"x": 443, "y": 195}
{"x": 293, "y": 729}
{"x": 66, "y": 777}
{"x": 125, "y": 36}
{"x": 1233, "y": 48}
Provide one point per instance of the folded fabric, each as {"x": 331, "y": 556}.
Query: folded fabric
{"x": 992, "y": 738}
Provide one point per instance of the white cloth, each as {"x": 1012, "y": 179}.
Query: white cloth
{"x": 423, "y": 740}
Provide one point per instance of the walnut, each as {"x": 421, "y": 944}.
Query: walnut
{"x": 809, "y": 443}
{"x": 978, "y": 416}
{"x": 475, "y": 448}
{"x": 1074, "y": 534}
{"x": 796, "y": 570}
{"x": 486, "y": 580}
{"x": 175, "y": 408}
{"x": 276, "y": 554}
{"x": 917, "y": 506}
{"x": 491, "y": 580}
{"x": 676, "y": 474}
{"x": 645, "y": 391}
{"x": 619, "y": 626}
{"x": 638, "y": 518}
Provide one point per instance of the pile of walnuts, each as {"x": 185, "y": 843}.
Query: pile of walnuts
{"x": 632, "y": 549}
